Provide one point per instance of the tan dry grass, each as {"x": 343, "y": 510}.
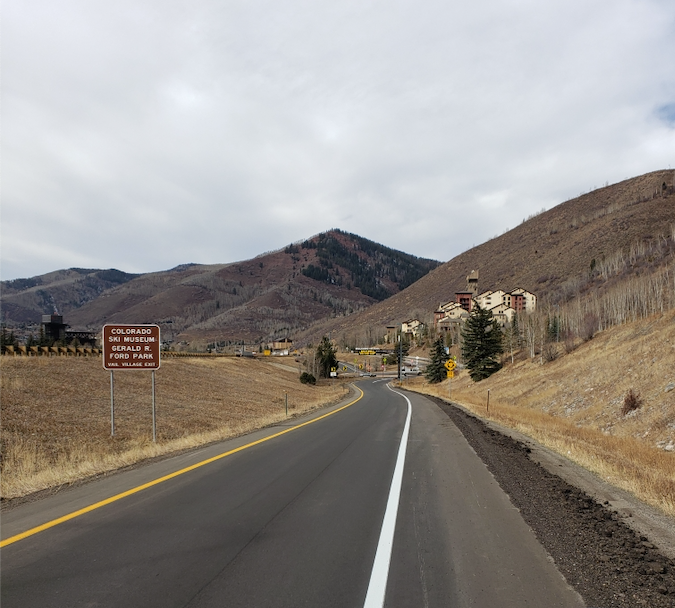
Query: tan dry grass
{"x": 573, "y": 405}
{"x": 56, "y": 412}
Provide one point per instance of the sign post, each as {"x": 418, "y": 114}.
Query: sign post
{"x": 131, "y": 347}
{"x": 154, "y": 419}
{"x": 112, "y": 406}
{"x": 450, "y": 366}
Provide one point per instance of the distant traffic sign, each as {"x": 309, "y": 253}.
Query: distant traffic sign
{"x": 450, "y": 365}
{"x": 131, "y": 347}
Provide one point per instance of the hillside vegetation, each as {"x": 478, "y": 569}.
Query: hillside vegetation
{"x": 377, "y": 271}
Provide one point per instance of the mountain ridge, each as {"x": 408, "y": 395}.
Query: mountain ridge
{"x": 271, "y": 295}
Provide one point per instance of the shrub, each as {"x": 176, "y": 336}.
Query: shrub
{"x": 631, "y": 402}
{"x": 306, "y": 378}
{"x": 589, "y": 326}
{"x": 550, "y": 351}
{"x": 570, "y": 345}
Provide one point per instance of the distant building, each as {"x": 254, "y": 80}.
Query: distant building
{"x": 55, "y": 329}
{"x": 280, "y": 348}
{"x": 522, "y": 301}
{"x": 503, "y": 314}
{"x": 503, "y": 305}
{"x": 465, "y": 299}
{"x": 413, "y": 327}
{"x": 451, "y": 310}
{"x": 472, "y": 282}
{"x": 490, "y": 299}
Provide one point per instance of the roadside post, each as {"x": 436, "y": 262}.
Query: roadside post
{"x": 131, "y": 347}
{"x": 112, "y": 406}
{"x": 450, "y": 366}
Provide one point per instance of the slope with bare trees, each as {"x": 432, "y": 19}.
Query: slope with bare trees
{"x": 586, "y": 245}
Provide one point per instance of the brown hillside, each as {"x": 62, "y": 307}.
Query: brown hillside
{"x": 248, "y": 300}
{"x": 542, "y": 254}
{"x": 273, "y": 295}
{"x": 25, "y": 300}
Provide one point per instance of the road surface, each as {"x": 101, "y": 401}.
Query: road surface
{"x": 296, "y": 520}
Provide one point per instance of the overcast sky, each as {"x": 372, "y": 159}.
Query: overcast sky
{"x": 144, "y": 134}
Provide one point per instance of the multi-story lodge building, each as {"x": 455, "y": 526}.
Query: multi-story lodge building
{"x": 503, "y": 305}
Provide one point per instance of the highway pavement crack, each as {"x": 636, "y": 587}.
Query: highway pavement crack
{"x": 607, "y": 563}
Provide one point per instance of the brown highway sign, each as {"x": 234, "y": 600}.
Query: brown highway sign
{"x": 131, "y": 347}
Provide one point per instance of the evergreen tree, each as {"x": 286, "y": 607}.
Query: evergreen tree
{"x": 7, "y": 339}
{"x": 553, "y": 329}
{"x": 405, "y": 345}
{"x": 516, "y": 331}
{"x": 436, "y": 371}
{"x": 325, "y": 354}
{"x": 482, "y": 343}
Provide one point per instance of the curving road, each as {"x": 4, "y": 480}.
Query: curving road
{"x": 293, "y": 520}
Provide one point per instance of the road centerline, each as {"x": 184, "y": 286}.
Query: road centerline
{"x": 154, "y": 482}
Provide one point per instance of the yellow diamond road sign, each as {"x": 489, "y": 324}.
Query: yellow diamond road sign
{"x": 450, "y": 365}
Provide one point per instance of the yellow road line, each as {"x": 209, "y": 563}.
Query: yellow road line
{"x": 154, "y": 482}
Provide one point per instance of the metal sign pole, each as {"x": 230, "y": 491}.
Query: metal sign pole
{"x": 131, "y": 347}
{"x": 112, "y": 406}
{"x": 154, "y": 422}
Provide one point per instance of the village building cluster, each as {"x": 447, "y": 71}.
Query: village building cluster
{"x": 503, "y": 305}
{"x": 449, "y": 316}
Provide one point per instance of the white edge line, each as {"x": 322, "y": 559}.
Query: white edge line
{"x": 377, "y": 586}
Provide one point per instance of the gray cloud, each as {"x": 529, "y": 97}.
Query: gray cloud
{"x": 144, "y": 135}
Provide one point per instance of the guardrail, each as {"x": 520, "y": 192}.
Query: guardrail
{"x": 79, "y": 351}
{"x": 51, "y": 351}
{"x": 167, "y": 354}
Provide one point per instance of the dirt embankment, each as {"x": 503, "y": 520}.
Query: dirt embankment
{"x": 608, "y": 563}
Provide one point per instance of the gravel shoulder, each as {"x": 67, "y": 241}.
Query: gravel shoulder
{"x": 614, "y": 550}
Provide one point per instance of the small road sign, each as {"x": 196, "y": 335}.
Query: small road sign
{"x": 451, "y": 374}
{"x": 131, "y": 347}
{"x": 450, "y": 365}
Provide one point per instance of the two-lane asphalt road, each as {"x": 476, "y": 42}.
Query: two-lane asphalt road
{"x": 295, "y": 520}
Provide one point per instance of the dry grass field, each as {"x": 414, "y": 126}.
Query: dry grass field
{"x": 574, "y": 405}
{"x": 56, "y": 412}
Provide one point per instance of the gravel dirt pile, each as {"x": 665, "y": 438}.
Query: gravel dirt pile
{"x": 599, "y": 555}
